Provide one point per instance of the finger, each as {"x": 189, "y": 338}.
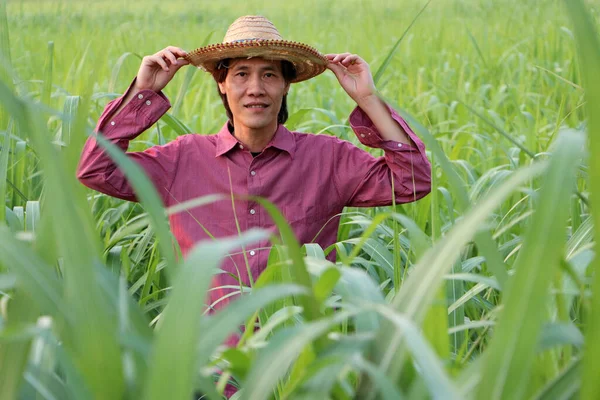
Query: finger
{"x": 340, "y": 57}
{"x": 351, "y": 59}
{"x": 180, "y": 62}
{"x": 177, "y": 51}
{"x": 159, "y": 60}
{"x": 170, "y": 56}
{"x": 337, "y": 69}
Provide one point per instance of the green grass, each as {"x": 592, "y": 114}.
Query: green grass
{"x": 486, "y": 288}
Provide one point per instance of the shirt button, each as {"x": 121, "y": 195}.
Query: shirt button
{"x": 399, "y": 144}
{"x": 253, "y": 173}
{"x": 112, "y": 123}
{"x": 148, "y": 102}
{"x": 242, "y": 146}
{"x": 252, "y": 252}
{"x": 253, "y": 211}
{"x": 140, "y": 96}
{"x": 362, "y": 135}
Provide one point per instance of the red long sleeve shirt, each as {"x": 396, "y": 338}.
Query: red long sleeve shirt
{"x": 311, "y": 178}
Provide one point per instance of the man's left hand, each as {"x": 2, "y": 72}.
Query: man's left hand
{"x": 354, "y": 75}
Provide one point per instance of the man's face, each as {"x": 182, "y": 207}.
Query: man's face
{"x": 255, "y": 88}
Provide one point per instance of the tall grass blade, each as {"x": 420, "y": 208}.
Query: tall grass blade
{"x": 178, "y": 126}
{"x": 112, "y": 83}
{"x": 421, "y": 286}
{"x": 14, "y": 353}
{"x": 187, "y": 79}
{"x": 70, "y": 112}
{"x": 483, "y": 239}
{"x": 588, "y": 46}
{"x": 298, "y": 269}
{"x": 387, "y": 60}
{"x": 565, "y": 386}
{"x": 512, "y": 350}
{"x": 281, "y": 352}
{"x": 148, "y": 196}
{"x": 32, "y": 215}
{"x": 216, "y": 328}
{"x": 47, "y": 90}
{"x": 34, "y": 276}
{"x": 174, "y": 359}
{"x": 91, "y": 338}
{"x": 5, "y": 61}
{"x": 4, "y": 150}
{"x": 18, "y": 176}
{"x": 476, "y": 46}
{"x": 438, "y": 382}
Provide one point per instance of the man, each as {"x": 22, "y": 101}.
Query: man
{"x": 311, "y": 178}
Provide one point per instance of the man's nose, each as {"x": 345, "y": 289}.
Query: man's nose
{"x": 256, "y": 86}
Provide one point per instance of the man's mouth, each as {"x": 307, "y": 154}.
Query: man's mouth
{"x": 256, "y": 105}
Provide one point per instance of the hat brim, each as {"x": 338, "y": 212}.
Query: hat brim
{"x": 307, "y": 61}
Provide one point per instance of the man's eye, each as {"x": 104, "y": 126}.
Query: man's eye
{"x": 241, "y": 74}
{"x": 269, "y": 75}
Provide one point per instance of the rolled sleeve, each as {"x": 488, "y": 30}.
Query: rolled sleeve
{"x": 367, "y": 133}
{"x": 141, "y": 113}
{"x": 96, "y": 168}
{"x": 405, "y": 163}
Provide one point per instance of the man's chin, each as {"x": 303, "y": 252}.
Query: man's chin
{"x": 258, "y": 125}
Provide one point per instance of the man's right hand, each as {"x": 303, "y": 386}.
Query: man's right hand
{"x": 157, "y": 70}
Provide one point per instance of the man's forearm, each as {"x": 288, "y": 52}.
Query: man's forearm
{"x": 378, "y": 112}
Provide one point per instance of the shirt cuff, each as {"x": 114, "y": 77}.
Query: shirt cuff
{"x": 145, "y": 108}
{"x": 367, "y": 133}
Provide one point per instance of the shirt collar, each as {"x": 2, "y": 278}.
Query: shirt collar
{"x": 283, "y": 140}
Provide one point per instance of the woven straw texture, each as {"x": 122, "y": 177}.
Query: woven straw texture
{"x": 255, "y": 36}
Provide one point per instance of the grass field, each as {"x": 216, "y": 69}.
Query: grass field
{"x": 485, "y": 289}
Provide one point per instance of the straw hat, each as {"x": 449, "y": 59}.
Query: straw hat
{"x": 256, "y": 36}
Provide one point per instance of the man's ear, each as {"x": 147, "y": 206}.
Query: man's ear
{"x": 221, "y": 87}
{"x": 287, "y": 88}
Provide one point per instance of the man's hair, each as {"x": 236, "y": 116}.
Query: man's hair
{"x": 287, "y": 69}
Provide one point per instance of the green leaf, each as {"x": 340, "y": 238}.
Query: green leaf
{"x": 438, "y": 382}
{"x": 560, "y": 334}
{"x": 391, "y": 53}
{"x": 146, "y": 193}
{"x": 298, "y": 268}
{"x": 420, "y": 287}
{"x": 588, "y": 46}
{"x": 174, "y": 359}
{"x": 326, "y": 283}
{"x": 281, "y": 352}
{"x": 13, "y": 355}
{"x": 174, "y": 123}
{"x": 565, "y": 386}
{"x": 511, "y": 353}
{"x": 216, "y": 328}
{"x": 4, "y": 148}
